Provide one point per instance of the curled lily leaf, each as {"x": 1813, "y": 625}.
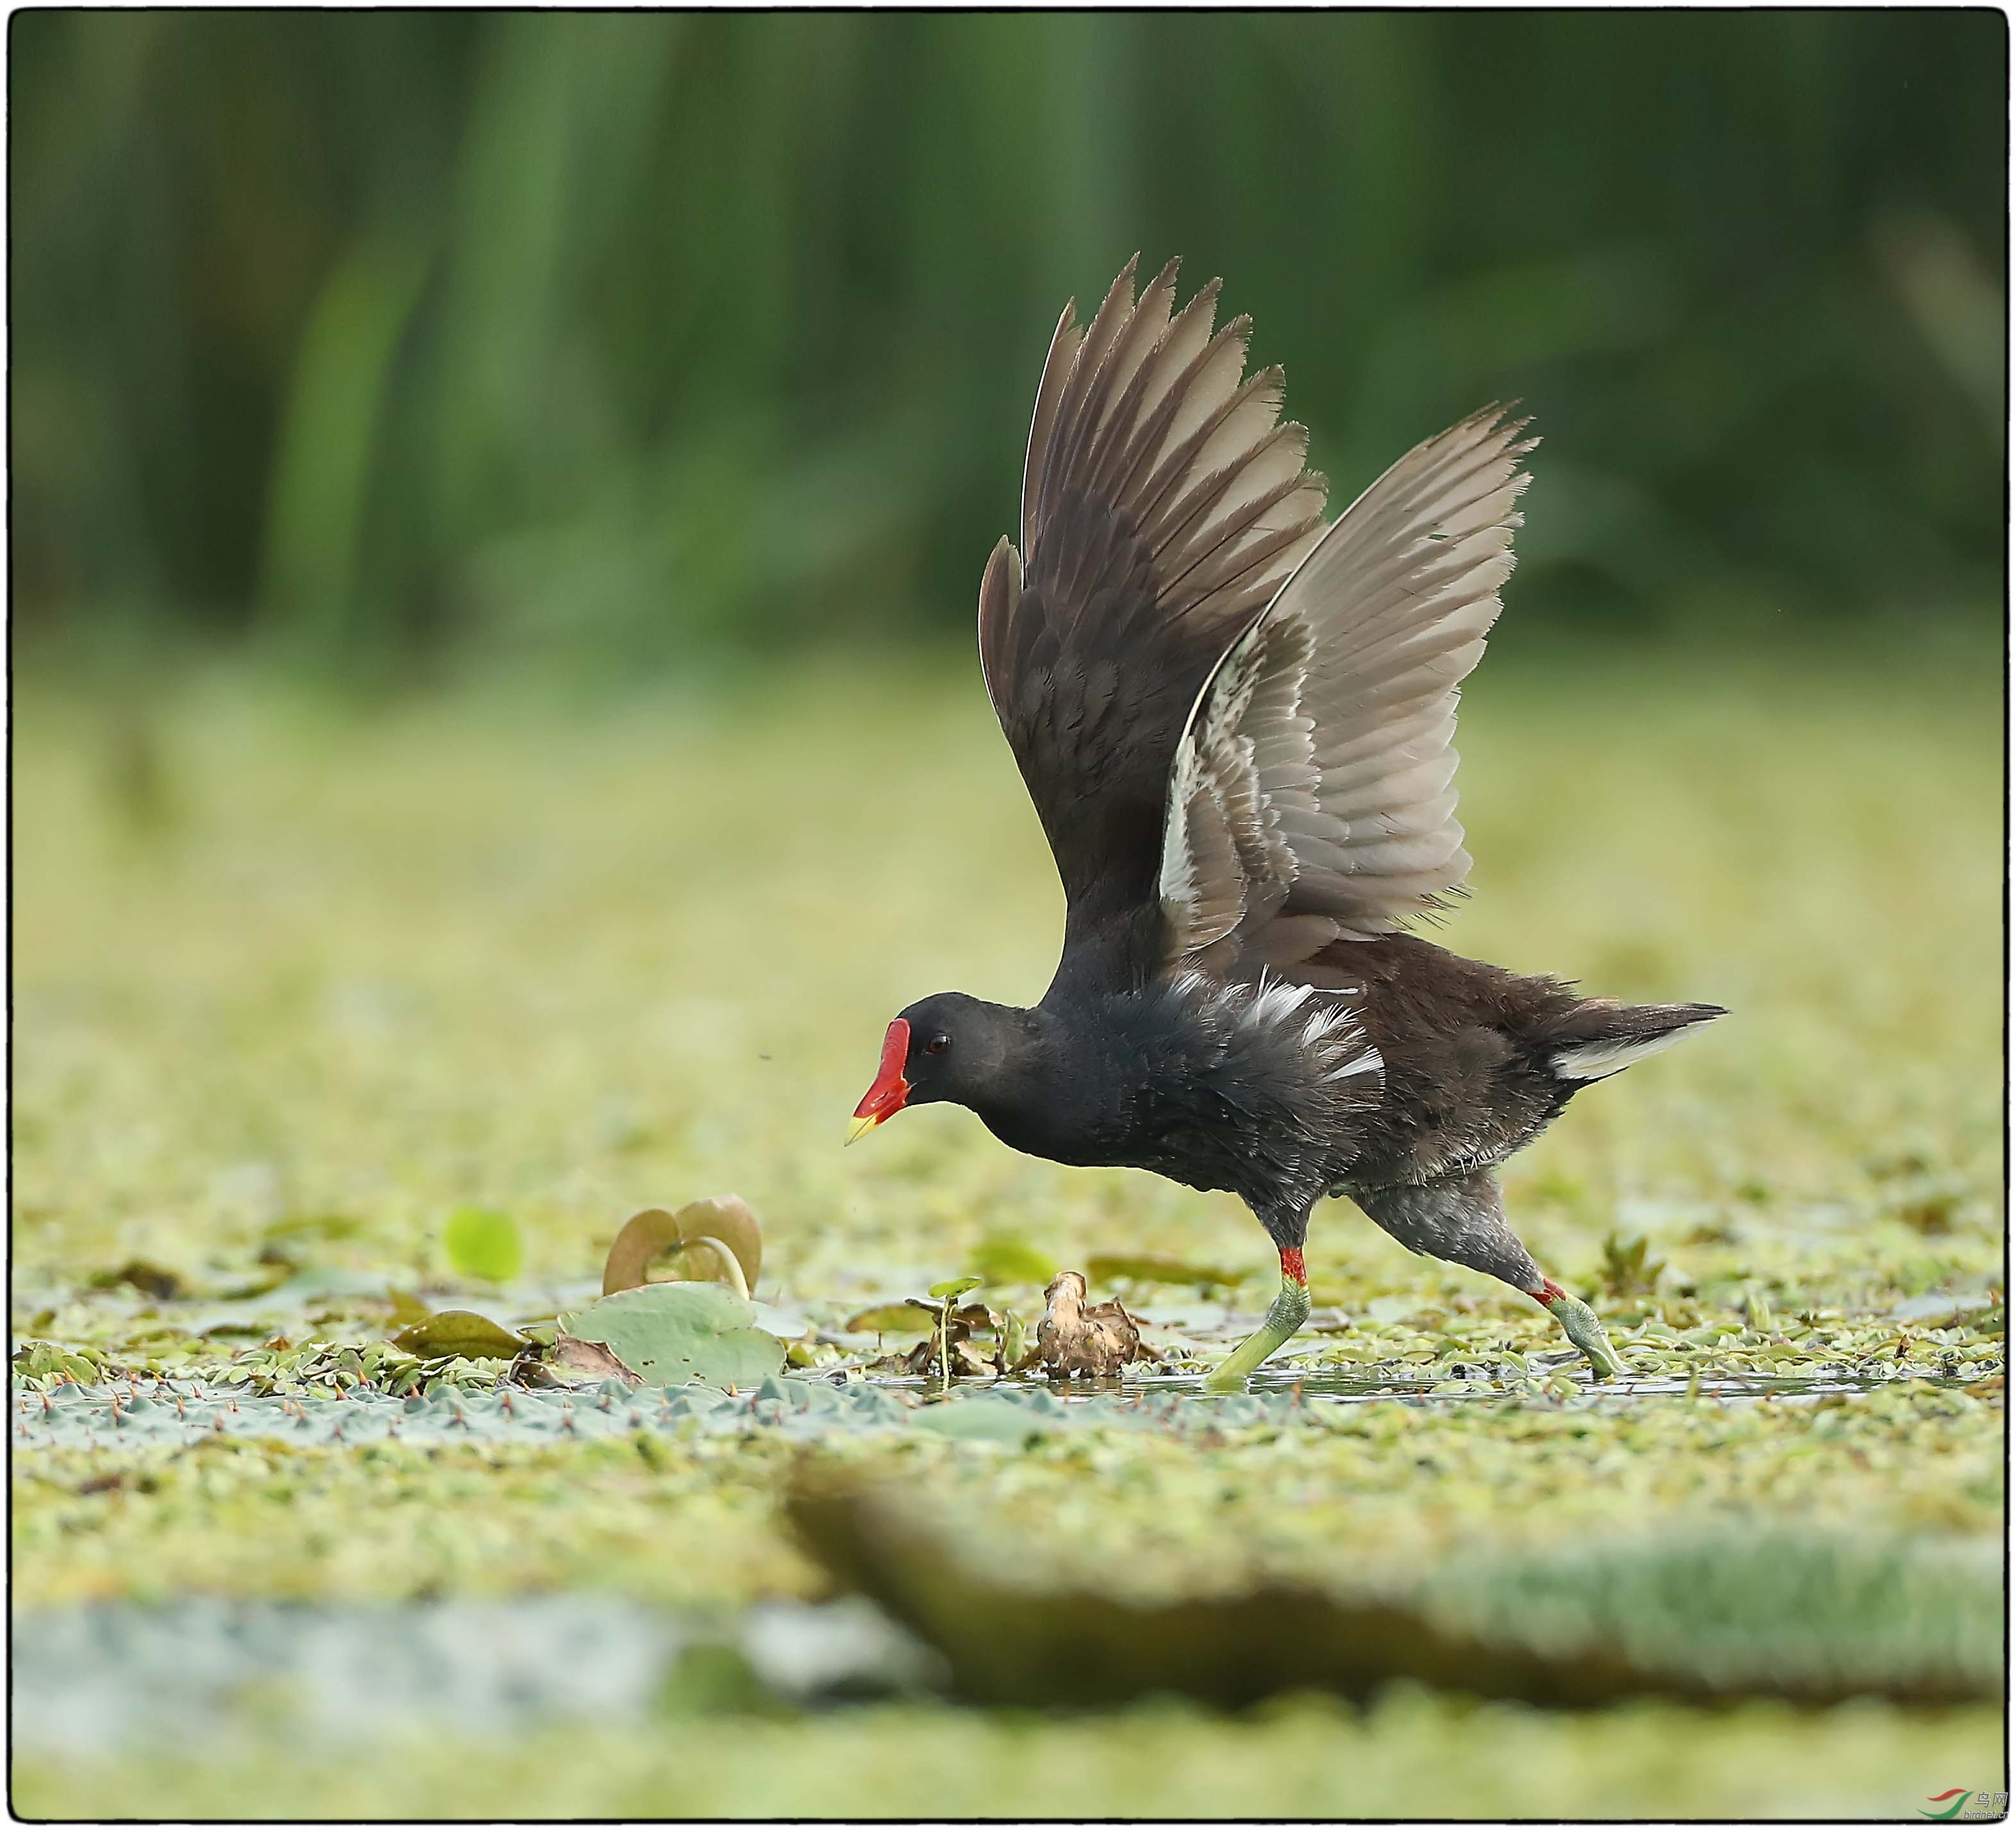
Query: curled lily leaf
{"x": 729, "y": 1235}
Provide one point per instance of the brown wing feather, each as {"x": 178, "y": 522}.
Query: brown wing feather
{"x": 1162, "y": 508}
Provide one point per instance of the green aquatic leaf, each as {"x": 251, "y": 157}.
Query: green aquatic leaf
{"x": 714, "y": 1679}
{"x": 307, "y": 1227}
{"x": 1391, "y": 1309}
{"x": 482, "y": 1243}
{"x": 311, "y": 1287}
{"x": 1628, "y": 1268}
{"x": 905, "y": 1316}
{"x": 786, "y": 1324}
{"x": 406, "y": 1308}
{"x": 144, "y": 1275}
{"x": 1105, "y": 1268}
{"x": 979, "y": 1420}
{"x": 1015, "y": 1349}
{"x": 952, "y": 1287}
{"x": 458, "y": 1332}
{"x": 677, "y": 1334}
{"x": 1007, "y": 1258}
{"x": 316, "y": 1284}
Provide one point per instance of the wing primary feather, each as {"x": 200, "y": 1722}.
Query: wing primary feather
{"x": 1000, "y": 596}
{"x": 1164, "y": 515}
{"x": 1235, "y": 545}
{"x": 1128, "y": 362}
{"x": 1184, "y": 347}
{"x": 1067, "y": 436}
{"x": 1163, "y": 505}
{"x": 1145, "y": 399}
{"x": 1057, "y": 366}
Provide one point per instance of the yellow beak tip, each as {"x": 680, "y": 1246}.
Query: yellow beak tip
{"x": 859, "y": 1127}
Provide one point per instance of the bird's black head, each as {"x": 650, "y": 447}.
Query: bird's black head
{"x": 947, "y": 1047}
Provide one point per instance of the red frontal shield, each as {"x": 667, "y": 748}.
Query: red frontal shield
{"x": 890, "y": 1090}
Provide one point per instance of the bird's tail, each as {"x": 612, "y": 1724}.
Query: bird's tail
{"x": 1598, "y": 1037}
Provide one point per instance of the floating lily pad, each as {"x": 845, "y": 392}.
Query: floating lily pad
{"x": 482, "y": 1243}
{"x": 676, "y": 1334}
{"x": 1391, "y": 1308}
{"x": 1154, "y": 1268}
{"x": 1940, "y": 1304}
{"x": 314, "y": 1284}
{"x": 786, "y": 1324}
{"x": 980, "y": 1420}
{"x": 905, "y": 1316}
{"x": 1007, "y": 1258}
{"x": 458, "y": 1332}
{"x": 301, "y": 1227}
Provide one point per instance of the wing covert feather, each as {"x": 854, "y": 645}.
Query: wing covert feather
{"x": 1354, "y": 768}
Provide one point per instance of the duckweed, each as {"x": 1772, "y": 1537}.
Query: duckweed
{"x": 478, "y": 954}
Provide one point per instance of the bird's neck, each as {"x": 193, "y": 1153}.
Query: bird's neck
{"x": 1055, "y": 1095}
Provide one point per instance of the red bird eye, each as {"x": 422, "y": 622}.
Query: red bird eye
{"x": 938, "y": 1044}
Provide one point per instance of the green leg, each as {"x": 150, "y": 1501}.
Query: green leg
{"x": 1579, "y": 1325}
{"x": 1288, "y": 1313}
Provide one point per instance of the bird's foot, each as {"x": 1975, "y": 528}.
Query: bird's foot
{"x": 1289, "y": 1310}
{"x": 1578, "y": 1323}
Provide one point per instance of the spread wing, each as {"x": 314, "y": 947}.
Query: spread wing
{"x": 1312, "y": 796}
{"x": 1163, "y": 507}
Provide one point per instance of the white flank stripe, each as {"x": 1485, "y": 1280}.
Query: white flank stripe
{"x": 1370, "y": 1063}
{"x": 1326, "y": 1033}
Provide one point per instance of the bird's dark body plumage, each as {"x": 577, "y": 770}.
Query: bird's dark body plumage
{"x": 1233, "y": 718}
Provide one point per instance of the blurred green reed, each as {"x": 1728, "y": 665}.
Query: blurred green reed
{"x": 377, "y": 337}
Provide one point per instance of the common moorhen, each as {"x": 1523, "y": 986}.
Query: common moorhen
{"x": 1234, "y": 718}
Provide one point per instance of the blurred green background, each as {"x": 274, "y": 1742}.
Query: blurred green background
{"x": 394, "y": 340}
